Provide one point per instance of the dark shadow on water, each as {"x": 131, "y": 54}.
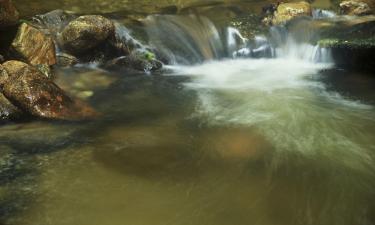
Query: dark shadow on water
{"x": 354, "y": 85}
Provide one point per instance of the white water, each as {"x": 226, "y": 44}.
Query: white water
{"x": 286, "y": 102}
{"x": 281, "y": 97}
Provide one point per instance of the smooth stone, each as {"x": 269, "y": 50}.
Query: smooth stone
{"x": 85, "y": 33}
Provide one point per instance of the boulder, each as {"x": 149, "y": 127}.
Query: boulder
{"x": 28, "y": 89}
{"x": 288, "y": 11}
{"x": 357, "y": 7}
{"x": 85, "y": 33}
{"x": 34, "y": 46}
{"x": 8, "y": 13}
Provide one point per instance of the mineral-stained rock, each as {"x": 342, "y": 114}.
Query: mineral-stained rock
{"x": 288, "y": 11}
{"x": 8, "y": 13}
{"x": 34, "y": 46}
{"x": 85, "y": 33}
{"x": 34, "y": 93}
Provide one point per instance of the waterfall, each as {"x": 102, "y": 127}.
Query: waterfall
{"x": 193, "y": 39}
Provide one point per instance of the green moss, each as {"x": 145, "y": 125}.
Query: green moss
{"x": 149, "y": 56}
{"x": 347, "y": 43}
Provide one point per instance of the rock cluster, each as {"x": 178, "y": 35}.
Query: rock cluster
{"x": 60, "y": 39}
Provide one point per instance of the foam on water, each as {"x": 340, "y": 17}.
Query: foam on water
{"x": 284, "y": 99}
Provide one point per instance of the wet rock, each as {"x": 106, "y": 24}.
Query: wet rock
{"x": 136, "y": 62}
{"x": 66, "y": 60}
{"x": 8, "y": 13}
{"x": 357, "y": 7}
{"x": 30, "y": 90}
{"x": 85, "y": 33}
{"x": 289, "y": 11}
{"x": 34, "y": 46}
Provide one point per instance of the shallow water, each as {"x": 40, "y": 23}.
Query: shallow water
{"x": 268, "y": 141}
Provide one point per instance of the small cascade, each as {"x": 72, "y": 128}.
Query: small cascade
{"x": 185, "y": 39}
{"x": 192, "y": 39}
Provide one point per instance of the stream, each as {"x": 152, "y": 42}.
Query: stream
{"x": 230, "y": 133}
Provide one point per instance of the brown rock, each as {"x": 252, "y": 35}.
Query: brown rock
{"x": 85, "y": 33}
{"x": 288, "y": 11}
{"x": 357, "y": 7}
{"x": 8, "y": 13}
{"x": 34, "y": 46}
{"x": 34, "y": 93}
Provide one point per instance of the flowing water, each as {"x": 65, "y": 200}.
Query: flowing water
{"x": 233, "y": 132}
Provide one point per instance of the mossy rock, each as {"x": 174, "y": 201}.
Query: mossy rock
{"x": 353, "y": 43}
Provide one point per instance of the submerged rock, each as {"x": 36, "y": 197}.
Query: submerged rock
{"x": 357, "y": 7}
{"x": 54, "y": 21}
{"x": 66, "y": 60}
{"x": 289, "y": 11}
{"x": 34, "y": 46}
{"x": 135, "y": 62}
{"x": 84, "y": 84}
{"x": 85, "y": 33}
{"x": 8, "y": 13}
{"x": 34, "y": 93}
